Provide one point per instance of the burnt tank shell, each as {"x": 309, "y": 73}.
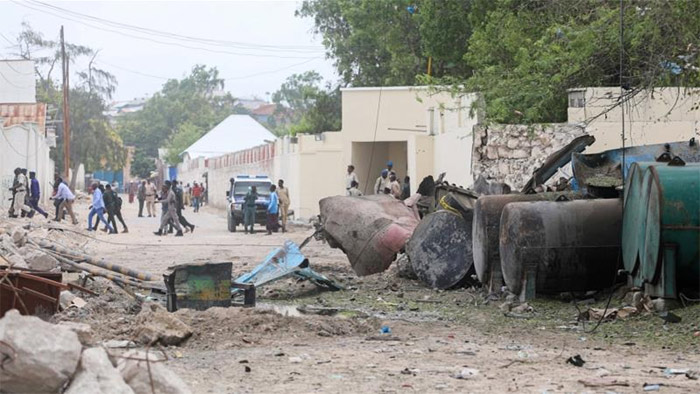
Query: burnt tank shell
{"x": 440, "y": 248}
{"x": 562, "y": 246}
{"x": 485, "y": 232}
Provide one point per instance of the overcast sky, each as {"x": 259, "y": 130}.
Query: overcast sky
{"x": 282, "y": 43}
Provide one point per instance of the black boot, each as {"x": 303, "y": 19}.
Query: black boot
{"x": 192, "y": 228}
{"x": 159, "y": 232}
{"x": 178, "y": 233}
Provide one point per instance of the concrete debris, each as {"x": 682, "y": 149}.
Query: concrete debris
{"x": 84, "y": 331}
{"x": 45, "y": 357}
{"x": 96, "y": 374}
{"x": 134, "y": 367}
{"x": 19, "y": 237}
{"x": 156, "y": 324}
{"x": 40, "y": 261}
{"x": 117, "y": 344}
{"x": 66, "y": 299}
{"x": 16, "y": 261}
{"x": 403, "y": 263}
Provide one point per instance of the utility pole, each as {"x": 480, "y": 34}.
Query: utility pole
{"x": 66, "y": 111}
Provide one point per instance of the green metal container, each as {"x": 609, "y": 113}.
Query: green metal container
{"x": 633, "y": 219}
{"x": 669, "y": 256}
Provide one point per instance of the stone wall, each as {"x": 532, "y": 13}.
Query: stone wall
{"x": 510, "y": 153}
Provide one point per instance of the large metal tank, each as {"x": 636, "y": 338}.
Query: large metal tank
{"x": 553, "y": 247}
{"x": 670, "y": 254}
{"x": 635, "y": 197}
{"x": 485, "y": 232}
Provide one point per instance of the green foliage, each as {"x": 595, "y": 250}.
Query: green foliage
{"x": 304, "y": 105}
{"x": 195, "y": 102}
{"x": 186, "y": 135}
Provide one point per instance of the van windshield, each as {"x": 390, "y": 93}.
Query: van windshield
{"x": 240, "y": 188}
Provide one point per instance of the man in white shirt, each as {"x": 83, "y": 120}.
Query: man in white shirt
{"x": 68, "y": 197}
{"x": 350, "y": 178}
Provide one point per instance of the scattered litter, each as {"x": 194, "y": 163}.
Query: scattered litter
{"x": 669, "y": 317}
{"x": 600, "y": 382}
{"x": 410, "y": 371}
{"x": 247, "y": 369}
{"x": 675, "y": 371}
{"x": 385, "y": 330}
{"x": 523, "y": 308}
{"x": 576, "y": 361}
{"x": 467, "y": 373}
{"x": 692, "y": 375}
{"x": 652, "y": 386}
{"x": 295, "y": 360}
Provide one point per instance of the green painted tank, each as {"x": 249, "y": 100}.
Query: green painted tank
{"x": 672, "y": 227}
{"x": 661, "y": 227}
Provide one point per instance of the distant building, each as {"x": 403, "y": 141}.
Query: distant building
{"x": 250, "y": 103}
{"x": 120, "y": 108}
{"x": 24, "y": 139}
{"x": 233, "y": 134}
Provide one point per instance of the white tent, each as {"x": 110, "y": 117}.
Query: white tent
{"x": 235, "y": 133}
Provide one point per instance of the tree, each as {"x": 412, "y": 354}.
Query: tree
{"x": 527, "y": 54}
{"x": 93, "y": 141}
{"x": 389, "y": 42}
{"x": 171, "y": 116}
{"x": 306, "y": 106}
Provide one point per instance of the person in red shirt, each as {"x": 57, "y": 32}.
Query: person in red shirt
{"x": 196, "y": 196}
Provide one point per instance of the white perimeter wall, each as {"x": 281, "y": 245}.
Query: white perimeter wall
{"x": 23, "y": 146}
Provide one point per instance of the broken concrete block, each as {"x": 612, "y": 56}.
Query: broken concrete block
{"x": 156, "y": 324}
{"x": 96, "y": 374}
{"x": 134, "y": 368}
{"x": 84, "y": 331}
{"x": 16, "y": 261}
{"x": 40, "y": 261}
{"x": 46, "y": 355}
{"x": 19, "y": 237}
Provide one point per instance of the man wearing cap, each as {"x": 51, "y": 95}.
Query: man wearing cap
{"x": 390, "y": 166}
{"x": 382, "y": 182}
{"x": 350, "y": 178}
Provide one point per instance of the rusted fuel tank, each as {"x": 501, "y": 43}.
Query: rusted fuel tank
{"x": 553, "y": 247}
{"x": 440, "y": 248}
{"x": 485, "y": 232}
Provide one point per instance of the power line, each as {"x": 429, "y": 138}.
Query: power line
{"x": 165, "y": 34}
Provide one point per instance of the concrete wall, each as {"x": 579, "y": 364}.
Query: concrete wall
{"x": 510, "y": 153}
{"x": 25, "y": 147}
{"x": 18, "y": 83}
{"x": 651, "y": 116}
{"x": 435, "y": 129}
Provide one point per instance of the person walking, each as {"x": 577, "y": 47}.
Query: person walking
{"x": 151, "y": 192}
{"x": 141, "y": 196}
{"x": 272, "y": 211}
{"x": 97, "y": 208}
{"x": 350, "y": 178}
{"x": 35, "y": 194}
{"x": 169, "y": 211}
{"x": 110, "y": 199}
{"x": 19, "y": 188}
{"x": 382, "y": 182}
{"x": 354, "y": 191}
{"x": 179, "y": 193}
{"x": 283, "y": 194}
{"x": 196, "y": 196}
{"x": 66, "y": 197}
{"x": 249, "y": 209}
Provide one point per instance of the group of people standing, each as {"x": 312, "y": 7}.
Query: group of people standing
{"x": 386, "y": 183}
{"x": 277, "y": 208}
{"x": 147, "y": 193}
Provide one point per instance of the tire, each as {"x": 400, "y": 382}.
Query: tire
{"x": 231, "y": 223}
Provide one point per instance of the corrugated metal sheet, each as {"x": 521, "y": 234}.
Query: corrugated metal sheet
{"x": 13, "y": 114}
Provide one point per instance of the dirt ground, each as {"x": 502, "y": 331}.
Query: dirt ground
{"x": 450, "y": 341}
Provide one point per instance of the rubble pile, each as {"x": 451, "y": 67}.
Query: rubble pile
{"x": 43, "y": 357}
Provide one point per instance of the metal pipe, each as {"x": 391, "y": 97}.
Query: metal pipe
{"x": 100, "y": 263}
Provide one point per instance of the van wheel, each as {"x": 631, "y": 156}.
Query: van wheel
{"x": 231, "y": 223}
